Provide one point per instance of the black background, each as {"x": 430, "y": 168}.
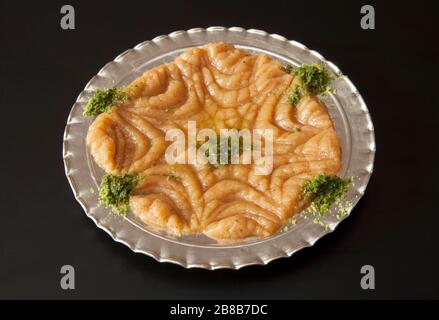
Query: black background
{"x": 394, "y": 227}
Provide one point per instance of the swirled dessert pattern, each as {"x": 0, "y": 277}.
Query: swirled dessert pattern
{"x": 218, "y": 86}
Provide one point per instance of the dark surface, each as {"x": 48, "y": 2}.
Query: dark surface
{"x": 394, "y": 227}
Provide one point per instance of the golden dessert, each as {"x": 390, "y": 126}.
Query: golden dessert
{"x": 216, "y": 86}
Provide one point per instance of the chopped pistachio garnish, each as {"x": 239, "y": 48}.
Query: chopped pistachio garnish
{"x": 114, "y": 191}
{"x": 295, "y": 96}
{"x": 227, "y": 153}
{"x": 288, "y": 68}
{"x": 103, "y": 100}
{"x": 325, "y": 190}
{"x": 319, "y": 222}
{"x": 313, "y": 79}
{"x": 343, "y": 208}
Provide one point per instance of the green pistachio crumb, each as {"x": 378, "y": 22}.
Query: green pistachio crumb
{"x": 325, "y": 190}
{"x": 114, "y": 192}
{"x": 103, "y": 100}
{"x": 287, "y": 68}
{"x": 295, "y": 96}
{"x": 343, "y": 209}
{"x": 226, "y": 151}
{"x": 313, "y": 79}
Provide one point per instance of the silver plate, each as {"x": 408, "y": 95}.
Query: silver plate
{"x": 346, "y": 107}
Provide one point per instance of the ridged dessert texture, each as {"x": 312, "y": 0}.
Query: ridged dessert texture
{"x": 218, "y": 86}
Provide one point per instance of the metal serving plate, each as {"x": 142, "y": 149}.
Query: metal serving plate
{"x": 347, "y": 109}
